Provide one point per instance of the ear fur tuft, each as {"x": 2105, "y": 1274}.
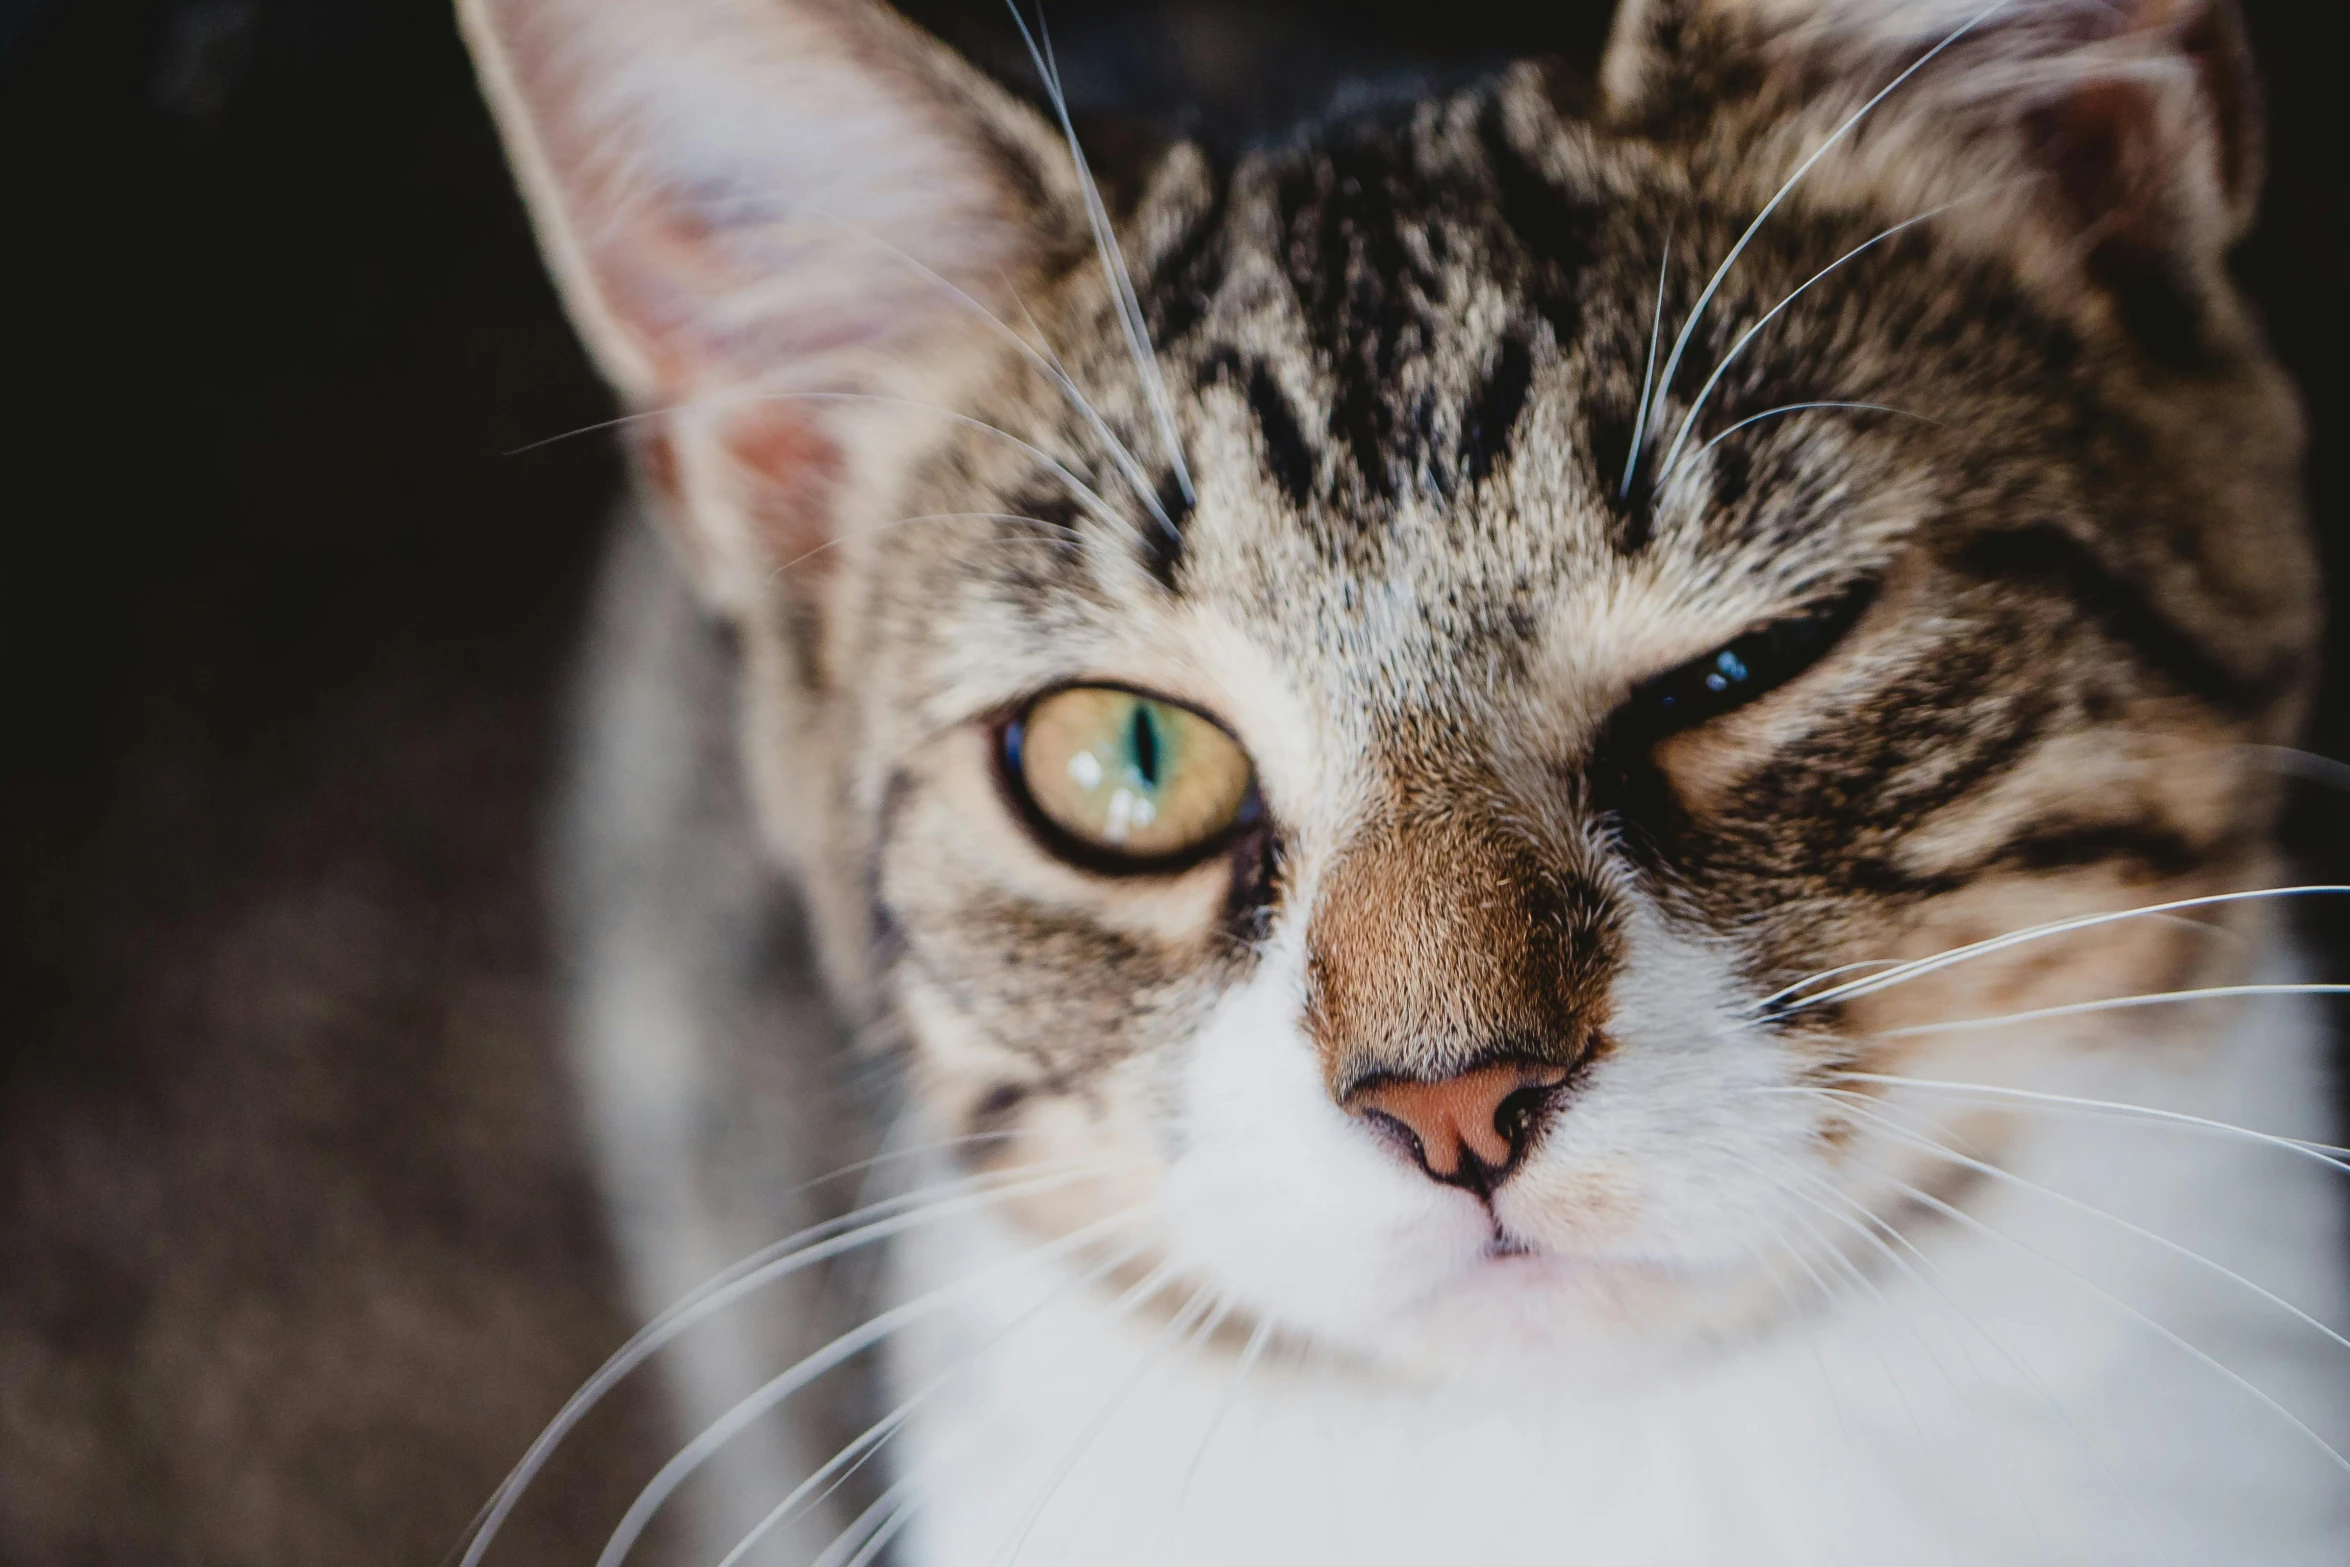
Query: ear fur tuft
{"x": 748, "y": 201}
{"x": 2139, "y": 119}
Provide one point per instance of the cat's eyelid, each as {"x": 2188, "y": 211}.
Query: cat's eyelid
{"x": 1841, "y": 602}
{"x": 1011, "y": 710}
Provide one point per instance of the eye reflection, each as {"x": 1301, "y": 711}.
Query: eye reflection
{"x": 1748, "y": 668}
{"x": 1127, "y": 775}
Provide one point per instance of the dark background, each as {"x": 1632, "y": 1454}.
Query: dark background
{"x": 296, "y": 1249}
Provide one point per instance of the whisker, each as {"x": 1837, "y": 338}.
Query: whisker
{"x": 1999, "y": 1346}
{"x": 1053, "y": 465}
{"x": 726, "y": 1427}
{"x": 1877, "y": 1244}
{"x": 881, "y": 1537}
{"x": 1258, "y": 1338}
{"x": 817, "y": 1243}
{"x": 1044, "y": 359}
{"x": 2110, "y": 1004}
{"x": 868, "y": 530}
{"x": 875, "y": 1527}
{"x": 1797, "y": 408}
{"x": 1656, "y": 332}
{"x": 851, "y": 1457}
{"x": 1160, "y": 1347}
{"x": 1937, "y": 1205}
{"x": 1113, "y": 260}
{"x": 1697, "y": 312}
{"x": 1787, "y": 993}
{"x": 1926, "y": 1143}
{"x": 1811, "y": 1345}
{"x": 1918, "y": 967}
{"x": 1876, "y": 1350}
{"x": 2305, "y": 765}
{"x": 2324, "y": 1153}
{"x": 1689, "y": 419}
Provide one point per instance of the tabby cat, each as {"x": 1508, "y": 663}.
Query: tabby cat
{"x": 1543, "y": 816}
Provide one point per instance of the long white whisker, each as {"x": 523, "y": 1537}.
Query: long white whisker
{"x": 1811, "y": 1345}
{"x": 881, "y": 1537}
{"x": 850, "y": 1457}
{"x": 2110, "y": 1004}
{"x": 1161, "y": 1346}
{"x": 2324, "y": 1153}
{"x": 2305, "y": 765}
{"x": 1050, "y": 363}
{"x": 1044, "y": 459}
{"x": 1689, "y": 419}
{"x": 1998, "y": 1344}
{"x": 1656, "y": 332}
{"x": 1258, "y": 1338}
{"x": 1936, "y": 1204}
{"x": 1919, "y": 967}
{"x": 895, "y": 523}
{"x": 1867, "y": 1233}
{"x": 719, "y": 1432}
{"x": 1893, "y": 1380}
{"x": 1788, "y": 993}
{"x": 871, "y": 1530}
{"x": 816, "y": 1244}
{"x": 1934, "y": 1146}
{"x": 1786, "y": 997}
{"x": 1697, "y": 313}
{"x": 1797, "y": 408}
{"x": 1113, "y": 261}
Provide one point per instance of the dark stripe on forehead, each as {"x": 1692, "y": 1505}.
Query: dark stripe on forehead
{"x": 1555, "y": 229}
{"x": 1289, "y": 457}
{"x": 1188, "y": 277}
{"x": 1343, "y": 214}
{"x": 1491, "y": 419}
{"x": 2045, "y": 557}
{"x": 1286, "y": 452}
{"x": 1162, "y": 535}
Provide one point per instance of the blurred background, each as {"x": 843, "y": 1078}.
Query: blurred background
{"x": 297, "y": 1247}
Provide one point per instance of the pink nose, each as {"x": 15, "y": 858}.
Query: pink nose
{"x": 1467, "y": 1129}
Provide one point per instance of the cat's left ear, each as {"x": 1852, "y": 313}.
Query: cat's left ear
{"x": 2136, "y": 123}
{"x": 780, "y": 226}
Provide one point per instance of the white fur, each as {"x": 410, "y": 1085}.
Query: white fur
{"x": 1995, "y": 1409}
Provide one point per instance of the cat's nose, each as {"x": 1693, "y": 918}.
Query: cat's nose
{"x": 1469, "y": 1129}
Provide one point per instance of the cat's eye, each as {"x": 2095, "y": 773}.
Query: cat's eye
{"x": 1121, "y": 780}
{"x": 1736, "y": 674}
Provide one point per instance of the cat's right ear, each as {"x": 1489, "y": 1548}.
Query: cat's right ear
{"x": 766, "y": 217}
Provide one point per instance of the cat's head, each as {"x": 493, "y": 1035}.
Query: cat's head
{"x": 1361, "y": 729}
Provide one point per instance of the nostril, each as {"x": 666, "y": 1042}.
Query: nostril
{"x": 1402, "y": 1136}
{"x": 1516, "y": 1115}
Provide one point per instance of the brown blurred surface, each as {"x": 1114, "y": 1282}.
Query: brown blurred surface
{"x": 297, "y": 1248}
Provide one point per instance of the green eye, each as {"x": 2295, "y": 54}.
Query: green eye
{"x": 1126, "y": 777}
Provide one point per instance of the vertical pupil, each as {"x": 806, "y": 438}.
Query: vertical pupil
{"x": 1144, "y": 742}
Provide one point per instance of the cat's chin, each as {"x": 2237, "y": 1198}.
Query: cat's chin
{"x": 1518, "y": 1322}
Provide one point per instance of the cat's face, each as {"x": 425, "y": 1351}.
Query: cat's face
{"x": 1365, "y": 775}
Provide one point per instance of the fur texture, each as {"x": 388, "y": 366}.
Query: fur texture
{"x": 1414, "y": 450}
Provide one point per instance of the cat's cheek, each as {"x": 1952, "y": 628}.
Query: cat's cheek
{"x": 1278, "y": 1195}
{"x": 1676, "y": 1144}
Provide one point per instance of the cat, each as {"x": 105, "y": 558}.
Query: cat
{"x": 1542, "y": 817}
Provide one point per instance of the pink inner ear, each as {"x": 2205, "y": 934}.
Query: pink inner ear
{"x": 793, "y": 469}
{"x": 2106, "y": 141}
{"x": 2098, "y": 141}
